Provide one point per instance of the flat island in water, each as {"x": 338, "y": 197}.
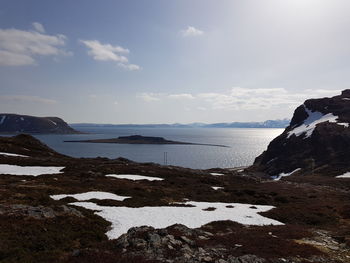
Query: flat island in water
{"x": 138, "y": 139}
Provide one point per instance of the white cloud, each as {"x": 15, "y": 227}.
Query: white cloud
{"x": 149, "y": 97}
{"x": 181, "y": 96}
{"x": 38, "y": 27}
{"x": 191, "y": 32}
{"x": 105, "y": 52}
{"x": 92, "y": 96}
{"x": 243, "y": 98}
{"x": 25, "y": 98}
{"x": 253, "y": 99}
{"x": 19, "y": 47}
{"x": 130, "y": 67}
{"x": 12, "y": 59}
{"x": 108, "y": 52}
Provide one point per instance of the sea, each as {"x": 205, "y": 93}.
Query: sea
{"x": 244, "y": 145}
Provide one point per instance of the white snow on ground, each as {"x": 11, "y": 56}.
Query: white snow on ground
{"x": 216, "y": 174}
{"x": 134, "y": 177}
{"x": 29, "y": 170}
{"x": 276, "y": 178}
{"x": 53, "y": 122}
{"x": 345, "y": 98}
{"x": 91, "y": 195}
{"x": 311, "y": 121}
{"x": 13, "y": 154}
{"x": 346, "y": 175}
{"x": 3, "y": 117}
{"x": 217, "y": 187}
{"x": 123, "y": 218}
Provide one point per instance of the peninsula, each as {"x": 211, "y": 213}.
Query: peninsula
{"x": 139, "y": 139}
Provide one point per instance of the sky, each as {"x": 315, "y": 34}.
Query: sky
{"x": 178, "y": 61}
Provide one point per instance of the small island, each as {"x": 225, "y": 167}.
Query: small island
{"x": 139, "y": 139}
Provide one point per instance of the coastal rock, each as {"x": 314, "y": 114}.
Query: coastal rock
{"x": 317, "y": 140}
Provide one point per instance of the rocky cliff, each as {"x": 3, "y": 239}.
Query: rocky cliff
{"x": 14, "y": 123}
{"x": 316, "y": 141}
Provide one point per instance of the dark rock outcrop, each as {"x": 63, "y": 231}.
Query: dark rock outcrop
{"x": 317, "y": 140}
{"x": 158, "y": 244}
{"x": 38, "y": 212}
{"x": 14, "y": 123}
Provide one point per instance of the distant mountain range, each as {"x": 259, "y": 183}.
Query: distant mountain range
{"x": 15, "y": 123}
{"x": 265, "y": 124}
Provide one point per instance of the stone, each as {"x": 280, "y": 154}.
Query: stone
{"x": 122, "y": 241}
{"x": 246, "y": 259}
{"x": 38, "y": 212}
{"x": 154, "y": 239}
{"x": 201, "y": 250}
{"x": 187, "y": 240}
{"x": 207, "y": 259}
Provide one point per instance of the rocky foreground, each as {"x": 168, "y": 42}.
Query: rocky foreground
{"x": 38, "y": 224}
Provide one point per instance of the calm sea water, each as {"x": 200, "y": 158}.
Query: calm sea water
{"x": 244, "y": 145}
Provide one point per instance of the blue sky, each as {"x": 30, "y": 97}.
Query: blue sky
{"x": 171, "y": 61}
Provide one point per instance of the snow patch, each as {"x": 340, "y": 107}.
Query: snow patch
{"x": 123, "y": 218}
{"x": 314, "y": 118}
{"x": 272, "y": 160}
{"x": 345, "y": 98}
{"x": 217, "y": 187}
{"x": 3, "y": 117}
{"x": 53, "y": 122}
{"x": 91, "y": 195}
{"x": 134, "y": 177}
{"x": 29, "y": 170}
{"x": 22, "y": 119}
{"x": 346, "y": 175}
{"x": 13, "y": 154}
{"x": 216, "y": 174}
{"x": 277, "y": 178}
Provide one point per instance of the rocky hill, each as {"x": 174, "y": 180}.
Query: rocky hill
{"x": 14, "y": 123}
{"x": 317, "y": 140}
